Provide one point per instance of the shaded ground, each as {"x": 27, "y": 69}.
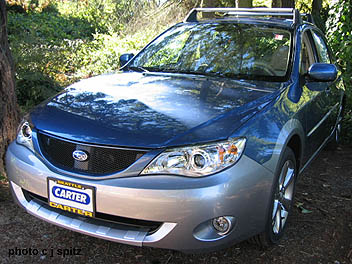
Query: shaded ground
{"x": 319, "y": 231}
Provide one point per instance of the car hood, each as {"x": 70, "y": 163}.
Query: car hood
{"x": 152, "y": 110}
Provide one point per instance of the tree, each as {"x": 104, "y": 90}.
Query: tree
{"x": 210, "y": 3}
{"x": 283, "y": 3}
{"x": 316, "y": 10}
{"x": 288, "y": 3}
{"x": 244, "y": 3}
{"x": 317, "y": 6}
{"x": 9, "y": 113}
{"x": 231, "y": 3}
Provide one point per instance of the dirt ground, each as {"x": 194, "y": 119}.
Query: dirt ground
{"x": 319, "y": 230}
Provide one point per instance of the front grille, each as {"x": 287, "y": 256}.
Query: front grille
{"x": 151, "y": 226}
{"x": 101, "y": 160}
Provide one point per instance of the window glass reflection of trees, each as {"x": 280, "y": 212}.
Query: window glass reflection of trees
{"x": 222, "y": 49}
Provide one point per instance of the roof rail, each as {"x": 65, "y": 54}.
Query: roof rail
{"x": 289, "y": 12}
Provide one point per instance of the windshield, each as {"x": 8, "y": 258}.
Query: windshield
{"x": 221, "y": 49}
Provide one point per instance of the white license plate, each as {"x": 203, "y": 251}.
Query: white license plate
{"x": 72, "y": 197}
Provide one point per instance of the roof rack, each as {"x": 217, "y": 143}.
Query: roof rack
{"x": 247, "y": 12}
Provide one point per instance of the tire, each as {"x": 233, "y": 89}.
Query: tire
{"x": 281, "y": 201}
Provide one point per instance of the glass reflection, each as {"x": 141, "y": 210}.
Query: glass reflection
{"x": 170, "y": 105}
{"x": 220, "y": 49}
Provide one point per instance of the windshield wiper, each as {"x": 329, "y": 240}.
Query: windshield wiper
{"x": 211, "y": 74}
{"x": 137, "y": 69}
{"x": 180, "y": 71}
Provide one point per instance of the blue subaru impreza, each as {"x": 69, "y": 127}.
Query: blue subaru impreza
{"x": 195, "y": 144}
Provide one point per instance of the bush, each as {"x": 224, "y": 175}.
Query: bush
{"x": 339, "y": 31}
{"x": 55, "y": 43}
{"x": 33, "y": 88}
{"x": 41, "y": 45}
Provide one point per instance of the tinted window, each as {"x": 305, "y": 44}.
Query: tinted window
{"x": 322, "y": 50}
{"x": 307, "y": 56}
{"x": 220, "y": 49}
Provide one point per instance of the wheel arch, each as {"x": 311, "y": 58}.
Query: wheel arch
{"x": 291, "y": 135}
{"x": 295, "y": 143}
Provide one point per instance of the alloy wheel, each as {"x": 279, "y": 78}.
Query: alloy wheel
{"x": 283, "y": 197}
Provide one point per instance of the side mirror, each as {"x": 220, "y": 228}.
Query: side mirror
{"x": 124, "y": 58}
{"x": 322, "y": 72}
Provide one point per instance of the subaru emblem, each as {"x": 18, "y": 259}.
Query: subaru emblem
{"x": 80, "y": 155}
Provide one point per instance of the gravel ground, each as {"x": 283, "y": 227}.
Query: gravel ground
{"x": 319, "y": 229}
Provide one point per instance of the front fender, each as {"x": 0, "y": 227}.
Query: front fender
{"x": 270, "y": 131}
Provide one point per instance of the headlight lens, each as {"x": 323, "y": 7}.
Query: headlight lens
{"x": 197, "y": 161}
{"x": 24, "y": 134}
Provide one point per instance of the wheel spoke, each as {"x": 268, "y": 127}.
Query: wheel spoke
{"x": 283, "y": 213}
{"x": 276, "y": 217}
{"x": 283, "y": 217}
{"x": 283, "y": 175}
{"x": 277, "y": 220}
{"x": 290, "y": 173}
{"x": 275, "y": 208}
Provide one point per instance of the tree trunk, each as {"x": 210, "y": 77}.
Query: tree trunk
{"x": 210, "y": 3}
{"x": 244, "y": 3}
{"x": 283, "y": 3}
{"x": 276, "y": 3}
{"x": 288, "y": 3}
{"x": 317, "y": 6}
{"x": 8, "y": 103}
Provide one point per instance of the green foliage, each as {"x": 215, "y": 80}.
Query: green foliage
{"x": 38, "y": 42}
{"x": 262, "y": 3}
{"x": 48, "y": 27}
{"x": 55, "y": 43}
{"x": 340, "y": 37}
{"x": 2, "y": 177}
{"x": 35, "y": 87}
{"x": 28, "y": 6}
{"x": 102, "y": 53}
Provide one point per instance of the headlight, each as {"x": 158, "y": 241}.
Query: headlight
{"x": 24, "y": 134}
{"x": 196, "y": 161}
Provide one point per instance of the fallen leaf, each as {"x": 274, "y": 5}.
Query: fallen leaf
{"x": 305, "y": 211}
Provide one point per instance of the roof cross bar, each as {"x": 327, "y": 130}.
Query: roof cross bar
{"x": 289, "y": 12}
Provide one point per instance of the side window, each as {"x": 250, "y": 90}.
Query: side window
{"x": 322, "y": 49}
{"x": 307, "y": 56}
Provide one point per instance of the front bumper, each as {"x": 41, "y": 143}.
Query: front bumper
{"x": 183, "y": 206}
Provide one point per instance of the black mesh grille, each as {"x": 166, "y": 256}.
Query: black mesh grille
{"x": 101, "y": 160}
{"x": 152, "y": 226}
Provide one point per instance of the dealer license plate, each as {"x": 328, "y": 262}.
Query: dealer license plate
{"x": 72, "y": 197}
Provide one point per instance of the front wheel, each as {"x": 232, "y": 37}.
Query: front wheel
{"x": 281, "y": 200}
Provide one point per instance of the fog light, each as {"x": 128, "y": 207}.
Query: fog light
{"x": 222, "y": 224}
